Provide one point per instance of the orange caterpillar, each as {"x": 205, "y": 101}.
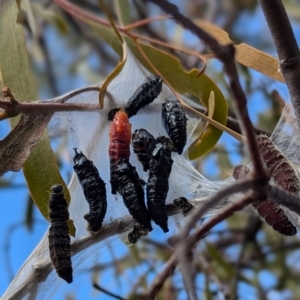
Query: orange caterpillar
{"x": 120, "y": 137}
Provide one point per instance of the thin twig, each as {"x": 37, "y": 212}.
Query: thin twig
{"x": 14, "y": 108}
{"x": 208, "y": 269}
{"x": 105, "y": 291}
{"x": 145, "y": 22}
{"x": 160, "y": 279}
{"x": 280, "y": 196}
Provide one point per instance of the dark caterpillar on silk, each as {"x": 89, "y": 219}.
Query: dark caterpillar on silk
{"x": 143, "y": 143}
{"x": 120, "y": 138}
{"x": 93, "y": 188}
{"x": 184, "y": 205}
{"x": 158, "y": 183}
{"x": 130, "y": 188}
{"x": 59, "y": 239}
{"x": 270, "y": 211}
{"x": 174, "y": 122}
{"x": 144, "y": 95}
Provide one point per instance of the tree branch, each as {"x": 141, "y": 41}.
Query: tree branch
{"x": 289, "y": 200}
{"x": 286, "y": 47}
{"x": 41, "y": 270}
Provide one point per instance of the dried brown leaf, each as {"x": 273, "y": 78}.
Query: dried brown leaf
{"x": 16, "y": 147}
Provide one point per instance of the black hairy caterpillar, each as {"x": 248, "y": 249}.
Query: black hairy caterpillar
{"x": 184, "y": 205}
{"x": 158, "y": 183}
{"x": 278, "y": 165}
{"x": 93, "y": 188}
{"x": 174, "y": 121}
{"x": 59, "y": 239}
{"x": 144, "y": 95}
{"x": 119, "y": 146}
{"x": 136, "y": 233}
{"x": 143, "y": 143}
{"x": 130, "y": 188}
{"x": 270, "y": 211}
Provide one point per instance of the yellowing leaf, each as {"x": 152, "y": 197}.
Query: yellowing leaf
{"x": 72, "y": 229}
{"x": 111, "y": 77}
{"x": 245, "y": 54}
{"x": 120, "y": 65}
{"x": 221, "y": 262}
{"x": 196, "y": 146}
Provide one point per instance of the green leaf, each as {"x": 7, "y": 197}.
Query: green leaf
{"x": 52, "y": 17}
{"x": 40, "y": 170}
{"x": 14, "y": 64}
{"x": 208, "y": 293}
{"x": 123, "y": 11}
{"x": 135, "y": 253}
{"x": 215, "y": 256}
{"x": 41, "y": 173}
{"x": 196, "y": 147}
{"x": 72, "y": 229}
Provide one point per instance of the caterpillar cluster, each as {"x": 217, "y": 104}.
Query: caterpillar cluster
{"x": 270, "y": 211}
{"x": 123, "y": 178}
{"x": 93, "y": 188}
{"x": 173, "y": 117}
{"x": 59, "y": 239}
